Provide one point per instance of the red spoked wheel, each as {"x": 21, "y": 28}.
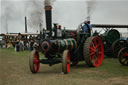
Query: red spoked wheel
{"x": 34, "y": 63}
{"x": 66, "y": 61}
{"x": 93, "y": 51}
{"x": 123, "y": 56}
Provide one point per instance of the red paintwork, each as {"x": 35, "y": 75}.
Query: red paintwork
{"x": 68, "y": 62}
{"x": 126, "y": 54}
{"x": 96, "y": 57}
{"x": 59, "y": 26}
{"x": 36, "y": 62}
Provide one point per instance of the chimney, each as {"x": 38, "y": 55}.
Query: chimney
{"x": 48, "y": 17}
{"x": 25, "y": 24}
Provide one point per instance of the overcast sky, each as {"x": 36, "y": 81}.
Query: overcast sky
{"x": 68, "y": 13}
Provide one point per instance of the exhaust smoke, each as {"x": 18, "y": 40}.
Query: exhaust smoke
{"x": 90, "y": 8}
{"x": 34, "y": 11}
{"x": 49, "y": 2}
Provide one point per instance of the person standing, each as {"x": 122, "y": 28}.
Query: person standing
{"x": 87, "y": 27}
{"x": 31, "y": 45}
{"x": 17, "y": 47}
{"x": 59, "y": 31}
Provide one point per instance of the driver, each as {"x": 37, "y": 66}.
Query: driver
{"x": 86, "y": 26}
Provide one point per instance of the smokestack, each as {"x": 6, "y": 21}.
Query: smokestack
{"x": 40, "y": 26}
{"x": 25, "y": 24}
{"x": 48, "y": 16}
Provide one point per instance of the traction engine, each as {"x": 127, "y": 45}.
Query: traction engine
{"x": 69, "y": 47}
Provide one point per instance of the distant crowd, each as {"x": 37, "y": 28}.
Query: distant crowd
{"x": 19, "y": 45}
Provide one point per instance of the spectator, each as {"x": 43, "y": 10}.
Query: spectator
{"x": 31, "y": 45}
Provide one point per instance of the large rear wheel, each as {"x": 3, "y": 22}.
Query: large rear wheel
{"x": 123, "y": 56}
{"x": 66, "y": 61}
{"x": 93, "y": 51}
{"x": 34, "y": 63}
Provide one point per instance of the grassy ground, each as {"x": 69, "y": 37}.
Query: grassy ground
{"x": 14, "y": 70}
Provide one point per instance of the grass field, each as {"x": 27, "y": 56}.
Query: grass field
{"x": 14, "y": 70}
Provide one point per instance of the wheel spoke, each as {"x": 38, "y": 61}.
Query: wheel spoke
{"x": 121, "y": 54}
{"x": 92, "y": 44}
{"x": 35, "y": 67}
{"x": 92, "y": 53}
{"x": 96, "y": 46}
{"x": 93, "y": 48}
{"x": 123, "y": 59}
{"x": 92, "y": 57}
{"x": 95, "y": 58}
{"x": 125, "y": 62}
{"x": 95, "y": 42}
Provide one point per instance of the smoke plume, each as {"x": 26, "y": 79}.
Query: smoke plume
{"x": 90, "y": 8}
{"x": 7, "y": 14}
{"x": 49, "y": 2}
{"x": 35, "y": 12}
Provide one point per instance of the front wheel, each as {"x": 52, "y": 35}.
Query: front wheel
{"x": 34, "y": 63}
{"x": 66, "y": 62}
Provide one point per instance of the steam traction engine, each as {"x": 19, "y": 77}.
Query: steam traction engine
{"x": 70, "y": 47}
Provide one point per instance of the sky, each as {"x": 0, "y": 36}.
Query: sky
{"x": 68, "y": 13}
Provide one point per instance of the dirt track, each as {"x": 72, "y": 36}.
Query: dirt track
{"x": 15, "y": 71}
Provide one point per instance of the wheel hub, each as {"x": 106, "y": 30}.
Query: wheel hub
{"x": 96, "y": 51}
{"x": 68, "y": 61}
